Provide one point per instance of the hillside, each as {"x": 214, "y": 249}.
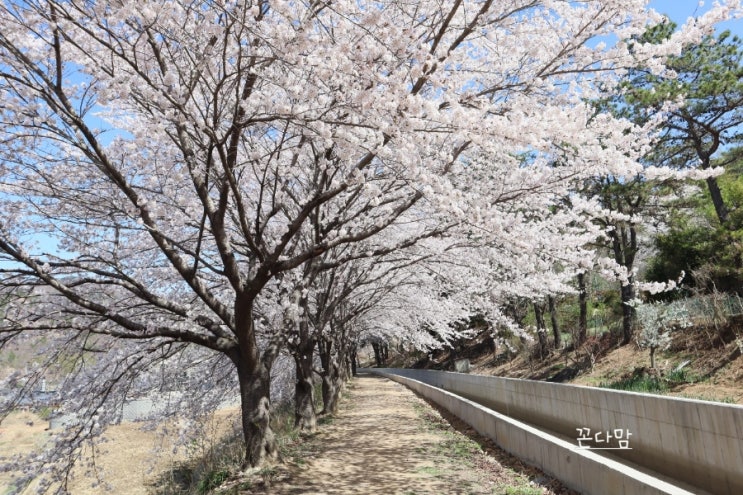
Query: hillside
{"x": 701, "y": 363}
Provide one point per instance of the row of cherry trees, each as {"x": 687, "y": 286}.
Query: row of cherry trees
{"x": 191, "y": 190}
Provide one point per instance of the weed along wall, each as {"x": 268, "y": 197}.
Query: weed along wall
{"x": 693, "y": 442}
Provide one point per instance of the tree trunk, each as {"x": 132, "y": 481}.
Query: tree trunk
{"x": 718, "y": 201}
{"x": 354, "y": 361}
{"x": 583, "y": 302}
{"x": 628, "y": 312}
{"x": 453, "y": 356}
{"x": 624, "y": 245}
{"x": 330, "y": 372}
{"x": 305, "y": 415}
{"x": 330, "y": 394}
{"x": 254, "y": 377}
{"x": 255, "y": 401}
{"x": 553, "y": 320}
{"x": 338, "y": 362}
{"x": 652, "y": 357}
{"x": 331, "y": 387}
{"x": 349, "y": 366}
{"x": 541, "y": 330}
{"x": 377, "y": 354}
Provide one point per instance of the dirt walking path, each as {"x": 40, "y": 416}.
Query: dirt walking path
{"x": 386, "y": 440}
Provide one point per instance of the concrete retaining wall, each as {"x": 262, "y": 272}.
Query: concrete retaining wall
{"x": 582, "y": 470}
{"x": 696, "y": 442}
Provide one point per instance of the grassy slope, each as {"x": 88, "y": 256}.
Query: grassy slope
{"x": 713, "y": 369}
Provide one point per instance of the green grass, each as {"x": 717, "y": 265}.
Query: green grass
{"x": 683, "y": 375}
{"x": 45, "y": 412}
{"x": 644, "y": 384}
{"x": 431, "y": 420}
{"x": 431, "y": 470}
{"x": 292, "y": 446}
{"x": 454, "y": 446}
{"x": 211, "y": 481}
{"x": 653, "y": 385}
{"x": 518, "y": 490}
{"x": 521, "y": 485}
{"x": 724, "y": 400}
{"x": 458, "y": 446}
{"x": 325, "y": 420}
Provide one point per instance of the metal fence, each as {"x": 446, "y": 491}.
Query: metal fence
{"x": 710, "y": 309}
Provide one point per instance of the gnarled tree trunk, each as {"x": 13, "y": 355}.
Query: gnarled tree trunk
{"x": 330, "y": 377}
{"x": 305, "y": 415}
{"x": 255, "y": 403}
{"x": 254, "y": 376}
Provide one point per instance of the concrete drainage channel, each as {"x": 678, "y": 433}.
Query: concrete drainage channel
{"x": 675, "y": 446}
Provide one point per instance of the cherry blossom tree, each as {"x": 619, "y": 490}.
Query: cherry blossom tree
{"x": 166, "y": 166}
{"x": 333, "y": 292}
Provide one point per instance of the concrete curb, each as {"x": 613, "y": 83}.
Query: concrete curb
{"x": 581, "y": 469}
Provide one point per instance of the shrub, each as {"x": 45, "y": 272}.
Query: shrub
{"x": 656, "y": 322}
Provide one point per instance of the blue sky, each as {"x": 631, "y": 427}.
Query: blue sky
{"x": 680, "y": 10}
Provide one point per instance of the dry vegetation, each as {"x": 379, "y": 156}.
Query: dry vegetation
{"x": 131, "y": 458}
{"x": 20, "y": 432}
{"x": 385, "y": 438}
{"x": 711, "y": 358}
